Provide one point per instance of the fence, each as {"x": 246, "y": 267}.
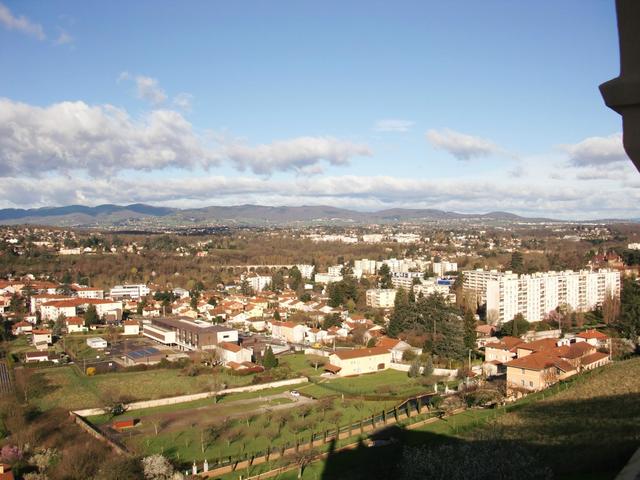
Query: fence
{"x": 409, "y": 413}
{"x": 406, "y": 412}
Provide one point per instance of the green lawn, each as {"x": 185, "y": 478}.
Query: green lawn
{"x": 582, "y": 429}
{"x": 65, "y": 387}
{"x": 388, "y": 383}
{"x": 254, "y": 433}
{"x": 302, "y": 364}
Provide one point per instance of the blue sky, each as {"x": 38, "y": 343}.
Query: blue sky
{"x": 466, "y": 106}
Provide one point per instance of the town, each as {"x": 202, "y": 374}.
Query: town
{"x": 440, "y": 324}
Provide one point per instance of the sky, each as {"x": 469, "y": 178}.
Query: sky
{"x": 463, "y": 106}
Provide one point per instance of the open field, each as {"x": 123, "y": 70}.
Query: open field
{"x": 251, "y": 422}
{"x": 386, "y": 383}
{"x": 67, "y": 388}
{"x": 585, "y": 429}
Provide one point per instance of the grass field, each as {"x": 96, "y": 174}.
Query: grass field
{"x": 65, "y": 387}
{"x": 586, "y": 429}
{"x": 387, "y": 383}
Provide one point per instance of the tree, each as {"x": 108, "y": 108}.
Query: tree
{"x": 515, "y": 327}
{"x": 91, "y": 316}
{"x": 414, "y": 368}
{"x": 277, "y": 282}
{"x": 385, "y": 276}
{"x": 332, "y": 320}
{"x": 450, "y": 343}
{"x": 517, "y": 262}
{"x": 427, "y": 369}
{"x": 157, "y": 467}
{"x": 269, "y": 360}
{"x": 629, "y": 322}
{"x": 610, "y": 308}
{"x": 59, "y": 325}
{"x": 295, "y": 279}
{"x": 469, "y": 330}
{"x": 245, "y": 288}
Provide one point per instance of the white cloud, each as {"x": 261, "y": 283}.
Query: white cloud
{"x": 64, "y": 38}
{"x": 594, "y": 151}
{"x": 149, "y": 89}
{"x": 75, "y": 136}
{"x": 461, "y": 145}
{"x": 393, "y": 125}
{"x": 376, "y": 192}
{"x": 183, "y": 101}
{"x": 295, "y": 154}
{"x": 20, "y": 24}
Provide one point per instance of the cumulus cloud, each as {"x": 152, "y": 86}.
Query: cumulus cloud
{"x": 70, "y": 136}
{"x": 183, "y": 101}
{"x": 393, "y": 125}
{"x": 595, "y": 151}
{"x": 149, "y": 89}
{"x": 73, "y": 135}
{"x": 461, "y": 145}
{"x": 20, "y": 24}
{"x": 295, "y": 154}
{"x": 371, "y": 192}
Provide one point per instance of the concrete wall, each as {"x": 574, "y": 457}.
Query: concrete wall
{"x": 441, "y": 372}
{"x": 196, "y": 396}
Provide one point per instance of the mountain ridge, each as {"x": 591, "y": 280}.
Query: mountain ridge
{"x": 246, "y": 215}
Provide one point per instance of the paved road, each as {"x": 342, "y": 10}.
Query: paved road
{"x": 5, "y": 379}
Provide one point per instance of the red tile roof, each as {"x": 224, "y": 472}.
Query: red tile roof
{"x": 232, "y": 347}
{"x": 361, "y": 353}
{"x": 588, "y": 334}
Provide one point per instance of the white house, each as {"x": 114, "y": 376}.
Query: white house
{"x": 231, "y": 352}
{"x": 288, "y": 331}
{"x": 74, "y": 324}
{"x": 131, "y": 327}
{"x": 41, "y": 339}
{"x": 359, "y": 361}
{"x": 97, "y": 343}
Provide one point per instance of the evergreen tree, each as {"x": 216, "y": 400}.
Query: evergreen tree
{"x": 269, "y": 360}
{"x": 414, "y": 368}
{"x": 91, "y": 316}
{"x": 629, "y": 320}
{"x": 295, "y": 279}
{"x": 428, "y": 367}
{"x": 515, "y": 327}
{"x": 517, "y": 262}
{"x": 385, "y": 276}
{"x": 469, "y": 329}
{"x": 450, "y": 342}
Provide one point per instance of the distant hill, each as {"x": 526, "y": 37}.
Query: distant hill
{"x": 137, "y": 215}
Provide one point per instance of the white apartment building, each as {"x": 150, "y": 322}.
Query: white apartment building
{"x": 427, "y": 288}
{"x": 634, "y": 246}
{"x": 327, "y": 278}
{"x": 368, "y": 267}
{"x": 258, "y": 282}
{"x": 440, "y": 268}
{"x": 475, "y": 281}
{"x": 535, "y": 295}
{"x": 405, "y": 279}
{"x": 335, "y": 270}
{"x": 306, "y": 270}
{"x": 381, "y": 297}
{"x": 373, "y": 238}
{"x": 133, "y": 292}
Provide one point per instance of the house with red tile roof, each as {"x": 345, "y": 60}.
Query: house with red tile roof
{"x": 595, "y": 338}
{"x": 359, "y": 361}
{"x": 537, "y": 371}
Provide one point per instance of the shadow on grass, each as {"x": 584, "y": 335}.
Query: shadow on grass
{"x": 566, "y": 439}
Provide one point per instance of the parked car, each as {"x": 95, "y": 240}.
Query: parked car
{"x": 294, "y": 393}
